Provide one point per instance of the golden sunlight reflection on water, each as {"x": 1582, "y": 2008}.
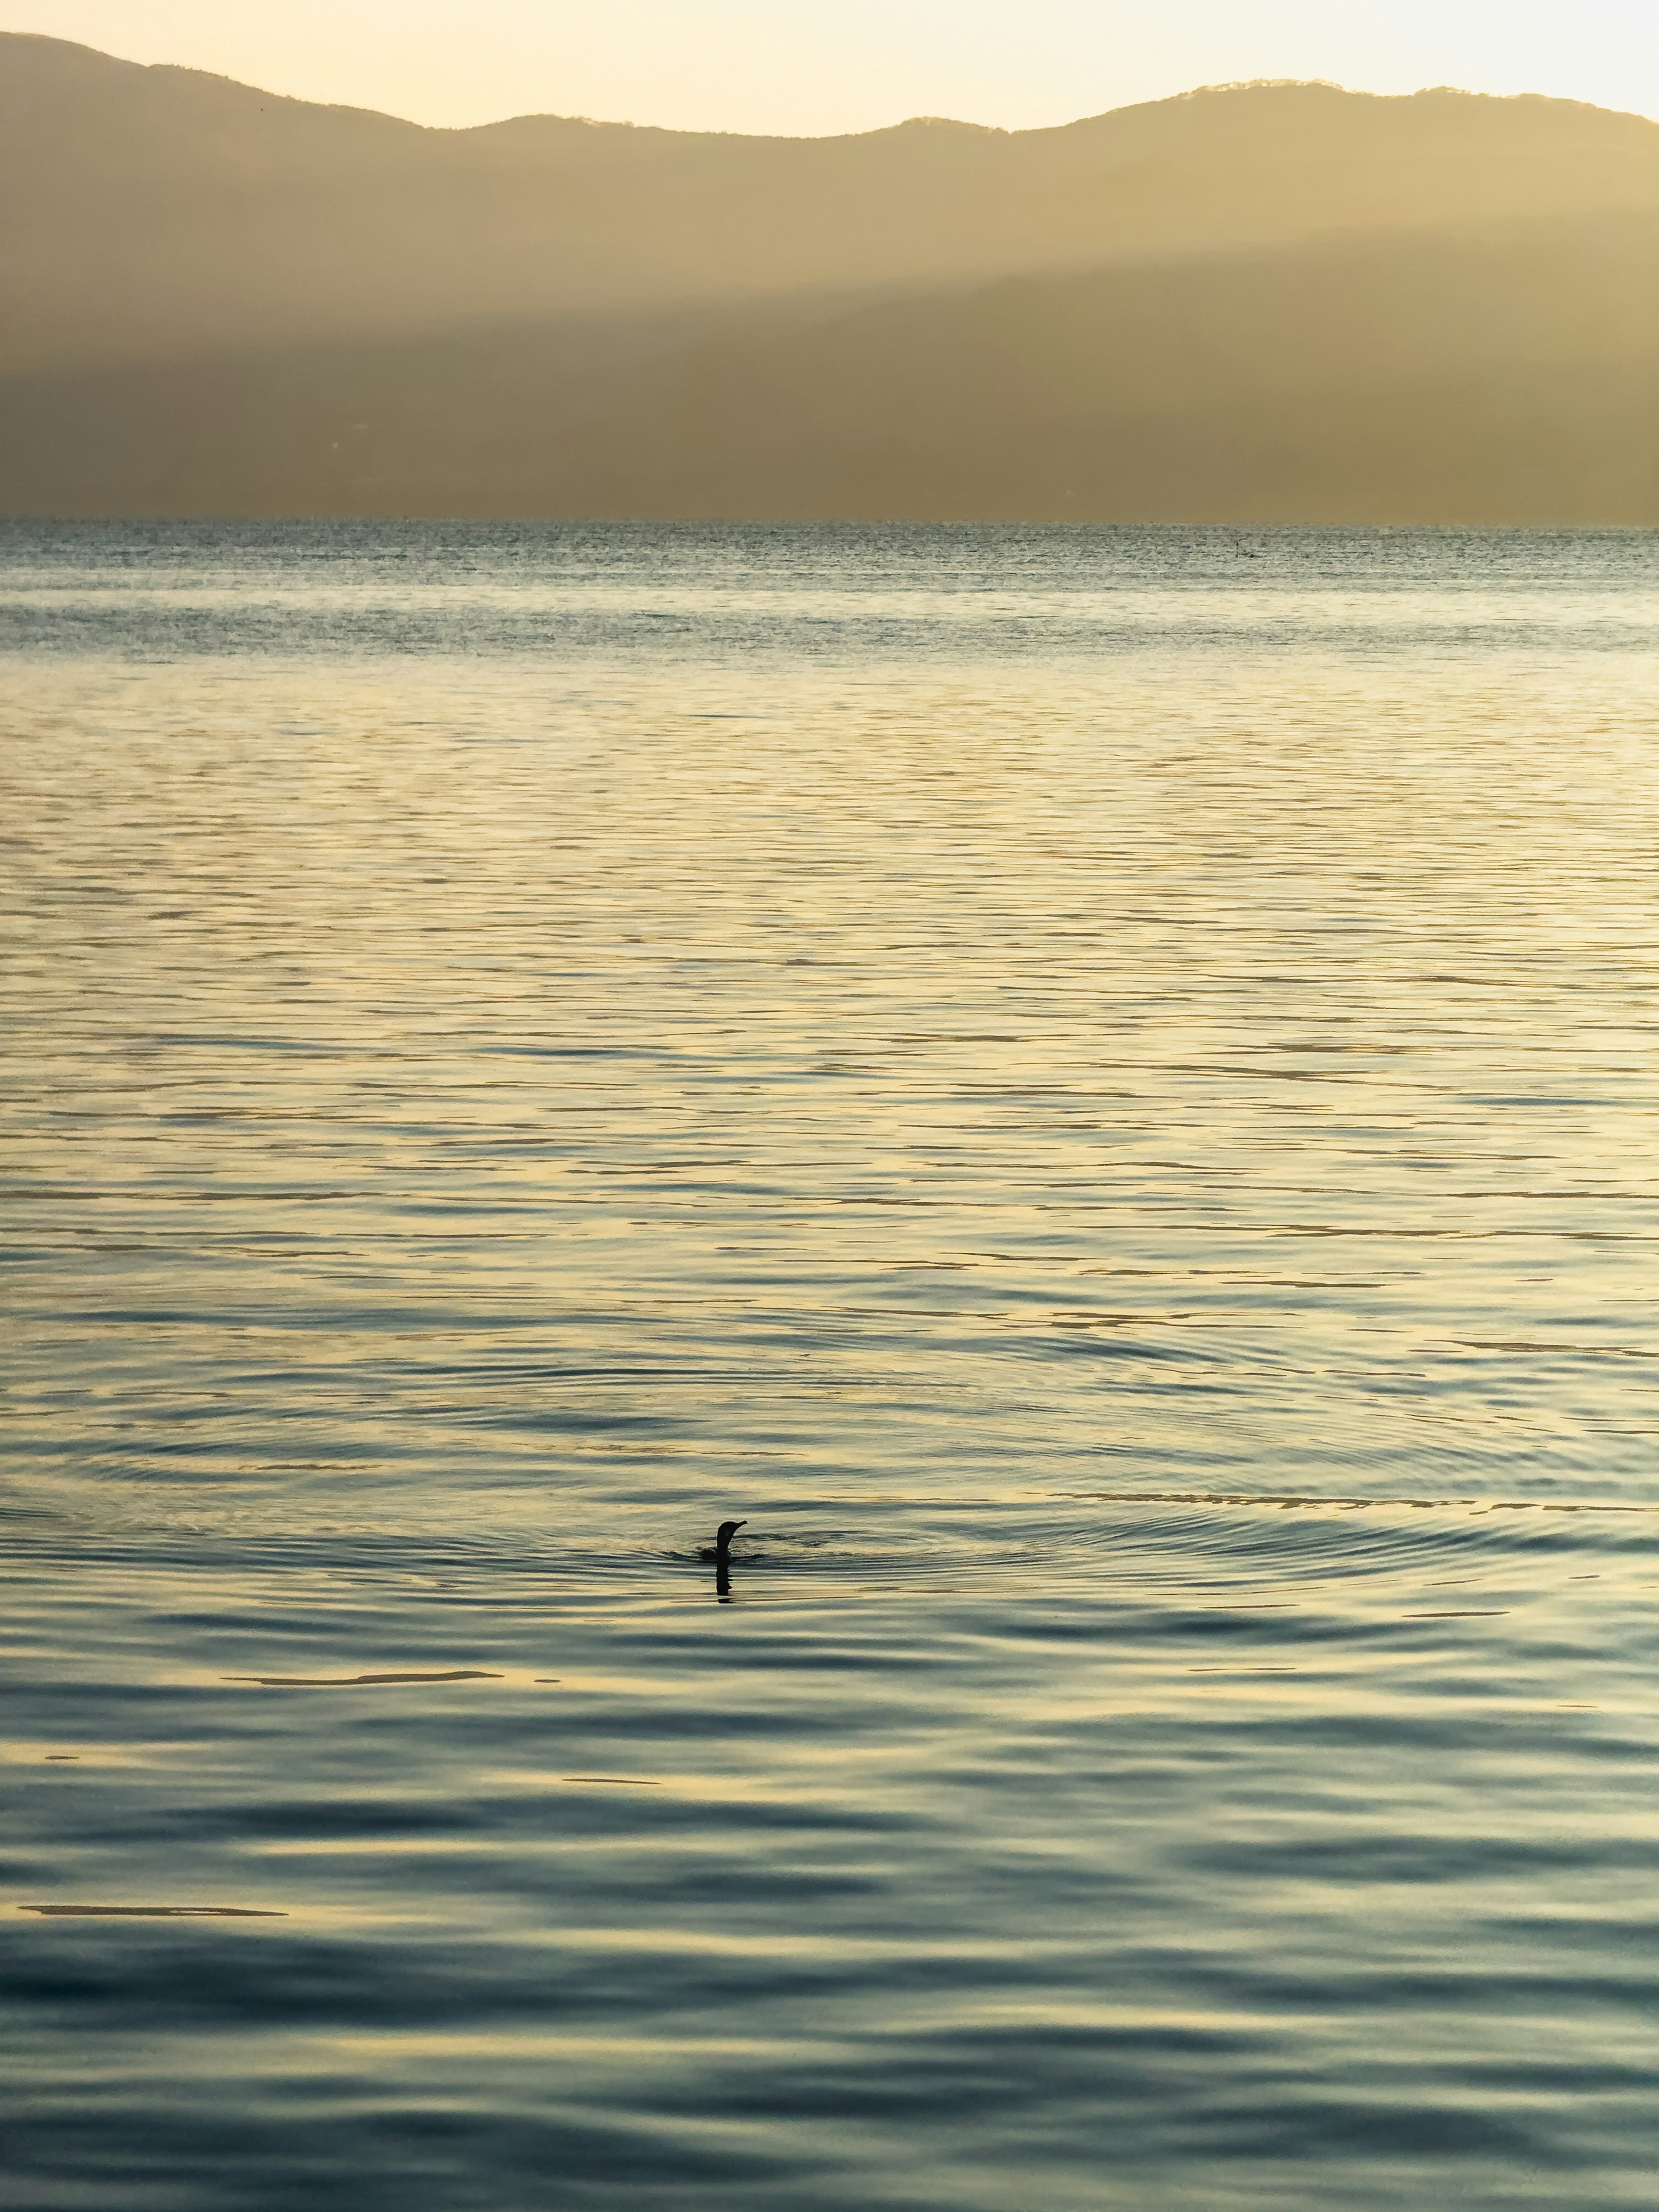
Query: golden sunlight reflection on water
{"x": 1108, "y": 1112}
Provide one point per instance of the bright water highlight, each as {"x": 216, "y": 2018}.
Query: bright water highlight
{"x": 1099, "y": 1086}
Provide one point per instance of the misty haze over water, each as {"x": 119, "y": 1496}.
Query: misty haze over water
{"x": 1097, "y": 1087}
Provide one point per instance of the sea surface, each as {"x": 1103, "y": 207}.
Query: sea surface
{"x": 1098, "y": 1089}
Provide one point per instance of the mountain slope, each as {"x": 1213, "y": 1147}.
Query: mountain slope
{"x": 1510, "y": 375}
{"x": 1507, "y": 374}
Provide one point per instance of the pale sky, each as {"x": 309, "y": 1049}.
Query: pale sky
{"x": 780, "y": 65}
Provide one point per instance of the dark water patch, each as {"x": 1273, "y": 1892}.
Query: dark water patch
{"x": 354, "y": 1681}
{"x": 153, "y": 1911}
{"x": 1468, "y": 1613}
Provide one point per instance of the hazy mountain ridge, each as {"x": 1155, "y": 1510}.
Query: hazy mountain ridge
{"x": 1270, "y": 300}
{"x": 156, "y": 213}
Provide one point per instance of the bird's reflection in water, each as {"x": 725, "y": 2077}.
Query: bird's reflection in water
{"x": 723, "y": 1583}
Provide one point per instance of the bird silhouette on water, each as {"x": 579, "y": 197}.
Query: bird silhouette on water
{"x": 721, "y": 1552}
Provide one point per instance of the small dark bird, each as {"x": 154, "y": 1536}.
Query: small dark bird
{"x": 720, "y": 1550}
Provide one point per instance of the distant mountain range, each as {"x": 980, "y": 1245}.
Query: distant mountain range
{"x": 1253, "y": 303}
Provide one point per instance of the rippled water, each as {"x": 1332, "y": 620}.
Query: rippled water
{"x": 1098, "y": 1088}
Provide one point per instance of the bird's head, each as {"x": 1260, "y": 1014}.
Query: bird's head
{"x": 727, "y": 1531}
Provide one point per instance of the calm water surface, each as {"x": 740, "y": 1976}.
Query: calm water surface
{"x": 1098, "y": 1088}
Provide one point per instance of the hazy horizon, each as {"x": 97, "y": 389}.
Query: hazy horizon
{"x": 172, "y": 64}
{"x": 733, "y": 65}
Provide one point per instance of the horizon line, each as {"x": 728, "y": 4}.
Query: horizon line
{"x": 823, "y": 137}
